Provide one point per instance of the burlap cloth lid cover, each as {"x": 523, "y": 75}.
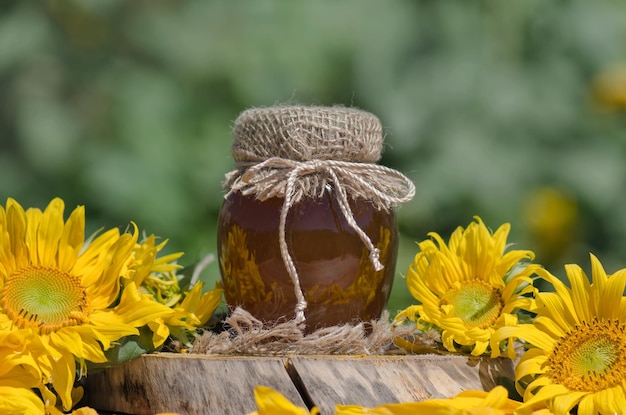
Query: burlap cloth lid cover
{"x": 307, "y": 133}
{"x": 313, "y": 146}
{"x": 298, "y": 151}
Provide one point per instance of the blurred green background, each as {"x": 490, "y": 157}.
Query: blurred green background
{"x": 511, "y": 110}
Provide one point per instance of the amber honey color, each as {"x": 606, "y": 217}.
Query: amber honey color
{"x": 338, "y": 280}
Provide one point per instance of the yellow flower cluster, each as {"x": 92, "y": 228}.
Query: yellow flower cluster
{"x": 476, "y": 294}
{"x": 65, "y": 300}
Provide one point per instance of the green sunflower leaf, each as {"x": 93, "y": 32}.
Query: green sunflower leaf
{"x": 127, "y": 349}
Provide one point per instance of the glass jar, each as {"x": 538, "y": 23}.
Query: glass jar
{"x": 307, "y": 229}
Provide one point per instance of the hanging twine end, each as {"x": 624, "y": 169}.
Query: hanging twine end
{"x": 375, "y": 258}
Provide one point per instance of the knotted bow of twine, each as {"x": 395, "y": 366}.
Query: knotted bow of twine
{"x": 291, "y": 179}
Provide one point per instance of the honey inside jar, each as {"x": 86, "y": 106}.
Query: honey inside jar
{"x": 337, "y": 277}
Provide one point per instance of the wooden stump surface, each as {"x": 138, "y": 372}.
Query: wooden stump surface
{"x": 190, "y": 384}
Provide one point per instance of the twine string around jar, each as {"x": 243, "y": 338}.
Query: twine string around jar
{"x": 285, "y": 175}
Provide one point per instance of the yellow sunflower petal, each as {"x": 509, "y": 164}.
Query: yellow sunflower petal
{"x": 84, "y": 411}
{"x": 101, "y": 266}
{"x": 497, "y": 398}
{"x": 580, "y": 292}
{"x": 410, "y": 313}
{"x": 81, "y": 346}
{"x": 63, "y": 374}
{"x": 19, "y": 401}
{"x": 610, "y": 401}
{"x": 471, "y": 402}
{"x": 49, "y": 232}
{"x": 551, "y": 306}
{"x": 160, "y": 331}
{"x": 563, "y": 404}
{"x": 33, "y": 219}
{"x": 534, "y": 362}
{"x": 136, "y": 310}
{"x": 512, "y": 258}
{"x": 545, "y": 394}
{"x": 612, "y": 293}
{"x": 208, "y": 304}
{"x": 419, "y": 290}
{"x": 586, "y": 406}
{"x": 566, "y": 311}
{"x": 107, "y": 328}
{"x": 114, "y": 263}
{"x": 549, "y": 326}
{"x": 271, "y": 402}
{"x": 51, "y": 402}
{"x": 598, "y": 274}
{"x": 96, "y": 251}
{"x": 524, "y": 331}
{"x": 72, "y": 239}
{"x": 15, "y": 255}
{"x": 356, "y": 410}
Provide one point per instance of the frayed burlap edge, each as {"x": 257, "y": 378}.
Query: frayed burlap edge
{"x": 248, "y": 336}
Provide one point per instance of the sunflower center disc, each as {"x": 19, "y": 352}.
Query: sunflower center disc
{"x": 591, "y": 357}
{"x": 44, "y": 298}
{"x": 475, "y": 302}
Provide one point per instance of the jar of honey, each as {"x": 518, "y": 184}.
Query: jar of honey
{"x": 307, "y": 230}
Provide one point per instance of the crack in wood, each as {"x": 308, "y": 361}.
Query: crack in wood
{"x": 299, "y": 384}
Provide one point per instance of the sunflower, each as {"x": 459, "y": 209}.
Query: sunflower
{"x": 157, "y": 279}
{"x": 271, "y": 402}
{"x": 469, "y": 287}
{"x": 494, "y": 402}
{"x": 62, "y": 295}
{"x": 578, "y": 353}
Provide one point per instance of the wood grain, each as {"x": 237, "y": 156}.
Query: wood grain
{"x": 187, "y": 384}
{"x": 201, "y": 384}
